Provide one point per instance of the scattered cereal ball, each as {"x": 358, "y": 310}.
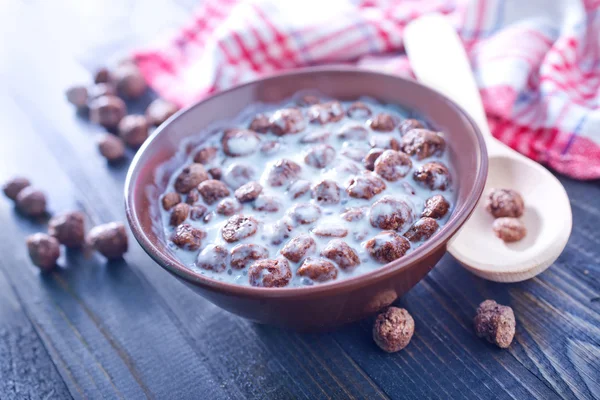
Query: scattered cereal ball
{"x": 387, "y": 246}
{"x": 408, "y": 125}
{"x": 324, "y": 113}
{"x": 266, "y": 203}
{"x": 260, "y": 124}
{"x": 383, "y": 122}
{"x": 299, "y": 188}
{"x": 341, "y": 253}
{"x": 391, "y": 213}
{"x": 352, "y": 132}
{"x": 129, "y": 80}
{"x": 509, "y": 229}
{"x": 213, "y": 257}
{"x": 315, "y": 137}
{"x": 187, "y": 237}
{"x": 286, "y": 121}
{"x": 371, "y": 157}
{"x": 170, "y": 200}
{"x": 44, "y": 250}
{"x": 297, "y": 248}
{"x": 308, "y": 100}
{"x": 78, "y": 96}
{"x": 190, "y": 177}
{"x": 423, "y": 229}
{"x": 31, "y": 202}
{"x": 245, "y": 254}
{"x": 505, "y": 203}
{"x": 279, "y": 231}
{"x": 433, "y": 175}
{"x": 212, "y": 191}
{"x": 110, "y": 240}
{"x": 215, "y": 173}
{"x": 111, "y": 147}
{"x": 320, "y": 156}
{"x": 14, "y": 186}
{"x": 353, "y": 214}
{"x": 496, "y": 323}
{"x": 133, "y": 129}
{"x": 358, "y": 110}
{"x": 197, "y": 212}
{"x": 179, "y": 213}
{"x": 248, "y": 192}
{"x": 270, "y": 147}
{"x": 68, "y": 229}
{"x": 392, "y": 165}
{"x": 102, "y": 75}
{"x": 283, "y": 172}
{"x": 386, "y": 142}
{"x": 159, "y": 111}
{"x": 107, "y": 111}
{"x": 240, "y": 142}
{"x": 101, "y": 89}
{"x": 330, "y": 231}
{"x": 238, "y": 174}
{"x": 305, "y": 213}
{"x": 270, "y": 273}
{"x": 206, "y": 154}
{"x": 356, "y": 153}
{"x": 228, "y": 207}
{"x": 436, "y": 207}
{"x": 239, "y": 227}
{"x": 318, "y": 269}
{"x": 365, "y": 186}
{"x": 393, "y": 329}
{"x": 326, "y": 192}
{"x": 423, "y": 143}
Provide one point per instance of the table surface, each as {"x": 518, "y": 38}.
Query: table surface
{"x": 129, "y": 330}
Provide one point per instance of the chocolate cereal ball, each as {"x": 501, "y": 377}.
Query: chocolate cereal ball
{"x": 213, "y": 257}
{"x": 324, "y": 113}
{"x": 190, "y": 177}
{"x": 408, "y": 125}
{"x": 212, "y": 191}
{"x": 170, "y": 200}
{"x": 387, "y": 246}
{"x": 270, "y": 273}
{"x": 392, "y": 165}
{"x": 68, "y": 228}
{"x": 433, "y": 175}
{"x": 159, "y": 111}
{"x": 509, "y": 229}
{"x": 14, "y": 186}
{"x": 260, "y": 124}
{"x": 129, "y": 80}
{"x": 320, "y": 156}
{"x": 43, "y": 250}
{"x": 371, "y": 157}
{"x": 133, "y": 129}
{"x": 31, "y": 202}
{"x": 383, "y": 122}
{"x": 240, "y": 142}
{"x": 505, "y": 203}
{"x": 206, "y": 154}
{"x": 187, "y": 237}
{"x": 179, "y": 213}
{"x": 239, "y": 227}
{"x": 423, "y": 143}
{"x": 423, "y": 229}
{"x": 245, "y": 254}
{"x": 342, "y": 254}
{"x": 365, "y": 186}
{"x": 248, "y": 192}
{"x": 283, "y": 172}
{"x": 436, "y": 207}
{"x": 496, "y": 323}
{"x": 297, "y": 248}
{"x": 393, "y": 329}
{"x": 358, "y": 110}
{"x": 391, "y": 213}
{"x": 326, "y": 192}
{"x": 111, "y": 147}
{"x": 107, "y": 111}
{"x": 78, "y": 96}
{"x": 287, "y": 121}
{"x": 110, "y": 240}
{"x": 318, "y": 269}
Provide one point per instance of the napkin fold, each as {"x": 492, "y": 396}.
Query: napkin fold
{"x": 537, "y": 62}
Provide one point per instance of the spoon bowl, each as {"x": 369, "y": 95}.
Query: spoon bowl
{"x": 547, "y": 214}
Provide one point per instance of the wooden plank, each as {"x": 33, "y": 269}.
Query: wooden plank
{"x": 26, "y": 368}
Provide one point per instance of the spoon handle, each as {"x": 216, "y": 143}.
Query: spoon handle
{"x": 439, "y": 60}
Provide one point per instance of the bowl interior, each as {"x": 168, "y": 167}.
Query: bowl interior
{"x": 157, "y": 159}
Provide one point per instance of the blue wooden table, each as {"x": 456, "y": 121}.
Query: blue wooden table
{"x": 129, "y": 330}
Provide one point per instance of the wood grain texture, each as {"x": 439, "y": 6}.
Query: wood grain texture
{"x": 129, "y": 330}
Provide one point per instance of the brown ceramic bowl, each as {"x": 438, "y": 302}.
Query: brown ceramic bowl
{"x": 327, "y": 305}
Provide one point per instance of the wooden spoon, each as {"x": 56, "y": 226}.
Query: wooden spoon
{"x": 439, "y": 60}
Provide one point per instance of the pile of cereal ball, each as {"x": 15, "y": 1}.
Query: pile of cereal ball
{"x": 394, "y": 327}
{"x": 67, "y": 229}
{"x": 506, "y": 205}
{"x": 104, "y": 102}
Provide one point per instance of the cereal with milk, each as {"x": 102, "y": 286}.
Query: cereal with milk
{"x": 307, "y": 192}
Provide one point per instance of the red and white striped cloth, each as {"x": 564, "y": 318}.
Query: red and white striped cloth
{"x": 537, "y": 62}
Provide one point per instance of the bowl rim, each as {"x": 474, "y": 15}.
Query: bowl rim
{"x": 457, "y": 219}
